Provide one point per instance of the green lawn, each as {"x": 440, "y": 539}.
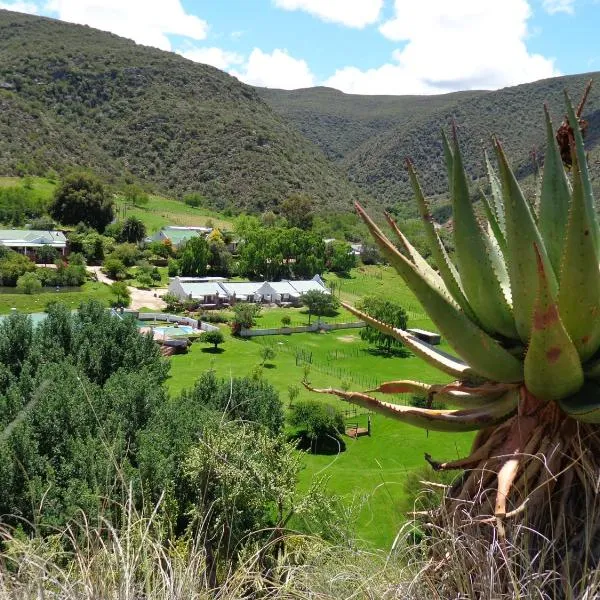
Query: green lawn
{"x": 10, "y": 299}
{"x": 371, "y": 470}
{"x": 163, "y": 211}
{"x": 271, "y": 317}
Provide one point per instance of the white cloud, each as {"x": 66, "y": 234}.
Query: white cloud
{"x": 463, "y": 44}
{"x": 217, "y": 57}
{"x": 275, "y": 70}
{"x": 557, "y": 6}
{"x": 18, "y": 6}
{"x": 147, "y": 22}
{"x": 352, "y": 13}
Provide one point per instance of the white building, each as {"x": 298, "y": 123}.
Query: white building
{"x": 27, "y": 241}
{"x": 206, "y": 292}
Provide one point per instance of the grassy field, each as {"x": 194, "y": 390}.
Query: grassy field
{"x": 372, "y": 470}
{"x": 91, "y": 290}
{"x": 163, "y": 211}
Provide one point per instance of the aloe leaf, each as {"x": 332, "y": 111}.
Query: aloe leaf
{"x": 579, "y": 294}
{"x": 522, "y": 237}
{"x": 591, "y": 369}
{"x": 554, "y": 199}
{"x": 420, "y": 263}
{"x": 438, "y": 359}
{"x": 494, "y": 412}
{"x": 552, "y": 365}
{"x": 485, "y": 356}
{"x": 440, "y": 256}
{"x": 584, "y": 405}
{"x": 405, "y": 386}
{"x": 496, "y": 189}
{"x": 588, "y": 194}
{"x": 478, "y": 273}
{"x": 493, "y": 223}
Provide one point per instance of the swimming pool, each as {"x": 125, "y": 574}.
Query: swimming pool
{"x": 181, "y": 330}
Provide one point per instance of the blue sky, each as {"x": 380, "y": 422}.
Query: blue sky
{"x": 357, "y": 46}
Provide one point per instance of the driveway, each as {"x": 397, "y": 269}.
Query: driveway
{"x": 139, "y": 298}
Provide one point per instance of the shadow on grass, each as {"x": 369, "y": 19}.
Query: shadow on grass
{"x": 389, "y": 353}
{"x": 269, "y": 366}
{"x": 327, "y": 446}
{"x": 213, "y": 350}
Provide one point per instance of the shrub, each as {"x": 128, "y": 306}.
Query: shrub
{"x": 244, "y": 316}
{"x": 212, "y": 337}
{"x": 195, "y": 199}
{"x": 320, "y": 424}
{"x": 114, "y": 268}
{"x": 173, "y": 269}
{"x": 29, "y": 283}
{"x": 122, "y": 295}
{"x": 286, "y": 320}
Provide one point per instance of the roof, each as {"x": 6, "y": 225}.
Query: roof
{"x": 278, "y": 287}
{"x": 177, "y": 235}
{"x": 206, "y": 288}
{"x": 241, "y": 288}
{"x": 32, "y": 237}
{"x": 307, "y": 285}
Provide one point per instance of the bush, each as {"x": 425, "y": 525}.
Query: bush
{"x": 286, "y": 320}
{"x": 121, "y": 293}
{"x": 215, "y": 317}
{"x": 144, "y": 280}
{"x": 194, "y": 200}
{"x": 212, "y": 337}
{"x": 29, "y": 283}
{"x": 244, "y": 316}
{"x": 320, "y": 424}
{"x": 114, "y": 268}
{"x": 12, "y": 266}
{"x": 173, "y": 269}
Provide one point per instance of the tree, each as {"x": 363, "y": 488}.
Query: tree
{"x": 298, "y": 211}
{"x": 82, "y": 198}
{"x": 293, "y": 393}
{"x": 194, "y": 199}
{"x": 370, "y": 255}
{"x": 339, "y": 257}
{"x": 244, "y": 316}
{"x": 133, "y": 230}
{"x": 114, "y": 268}
{"x": 46, "y": 254}
{"x": 286, "y": 320}
{"x": 267, "y": 353}
{"x": 193, "y": 257}
{"x": 385, "y": 311}
{"x": 135, "y": 195}
{"x": 12, "y": 266}
{"x": 121, "y": 292}
{"x": 29, "y": 283}
{"x": 215, "y": 338}
{"x": 318, "y": 303}
{"x": 320, "y": 423}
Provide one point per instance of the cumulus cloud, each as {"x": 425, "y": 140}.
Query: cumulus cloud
{"x": 447, "y": 46}
{"x": 355, "y": 13}
{"x": 557, "y": 6}
{"x": 18, "y": 6}
{"x": 146, "y": 22}
{"x": 217, "y": 57}
{"x": 276, "y": 70}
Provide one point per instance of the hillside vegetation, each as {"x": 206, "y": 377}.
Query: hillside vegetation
{"x": 74, "y": 96}
{"x": 369, "y": 136}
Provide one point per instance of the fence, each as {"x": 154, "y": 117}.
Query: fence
{"x": 302, "y": 329}
{"x": 177, "y": 319}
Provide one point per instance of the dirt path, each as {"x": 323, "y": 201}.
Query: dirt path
{"x": 139, "y": 298}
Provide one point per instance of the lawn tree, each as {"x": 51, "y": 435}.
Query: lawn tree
{"x": 267, "y": 352}
{"x": 121, "y": 293}
{"x": 215, "y": 338}
{"x": 82, "y": 198}
{"x": 318, "y": 303}
{"x": 132, "y": 230}
{"x": 293, "y": 393}
{"x": 286, "y": 320}
{"x": 193, "y": 257}
{"x": 244, "y": 316}
{"x": 388, "y": 312}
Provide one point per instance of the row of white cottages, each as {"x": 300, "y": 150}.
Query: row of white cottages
{"x": 212, "y": 292}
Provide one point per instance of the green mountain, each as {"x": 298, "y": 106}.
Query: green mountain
{"x": 369, "y": 136}
{"x": 75, "y": 96}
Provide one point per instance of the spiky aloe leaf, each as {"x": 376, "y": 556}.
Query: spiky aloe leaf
{"x": 554, "y": 199}
{"x": 552, "y": 366}
{"x": 485, "y": 356}
{"x": 579, "y": 294}
{"x": 436, "y": 358}
{"x": 420, "y": 263}
{"x": 440, "y": 256}
{"x": 496, "y": 411}
{"x": 405, "y": 386}
{"x": 584, "y": 405}
{"x": 496, "y": 189}
{"x": 494, "y": 226}
{"x": 522, "y": 237}
{"x": 588, "y": 194}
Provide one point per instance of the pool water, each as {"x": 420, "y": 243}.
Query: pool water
{"x": 182, "y": 330}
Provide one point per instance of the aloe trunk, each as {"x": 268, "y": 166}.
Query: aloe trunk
{"x": 521, "y": 309}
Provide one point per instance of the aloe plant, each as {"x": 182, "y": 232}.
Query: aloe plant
{"x": 521, "y": 309}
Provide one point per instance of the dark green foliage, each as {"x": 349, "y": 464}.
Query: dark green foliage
{"x": 244, "y": 316}
{"x": 319, "y": 303}
{"x": 29, "y": 283}
{"x": 298, "y": 211}
{"x": 91, "y": 245}
{"x": 370, "y": 255}
{"x": 127, "y": 252}
{"x": 135, "y": 195}
{"x": 219, "y": 258}
{"x": 46, "y": 254}
{"x": 82, "y": 198}
{"x": 132, "y": 230}
{"x": 134, "y": 113}
{"x": 194, "y": 200}
{"x": 388, "y": 312}
{"x": 193, "y": 257}
{"x": 212, "y": 337}
{"x": 114, "y": 268}
{"x": 339, "y": 257}
{"x": 12, "y": 266}
{"x": 320, "y": 423}
{"x": 121, "y": 293}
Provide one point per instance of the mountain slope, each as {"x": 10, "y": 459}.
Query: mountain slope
{"x": 371, "y": 135}
{"x": 75, "y": 96}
